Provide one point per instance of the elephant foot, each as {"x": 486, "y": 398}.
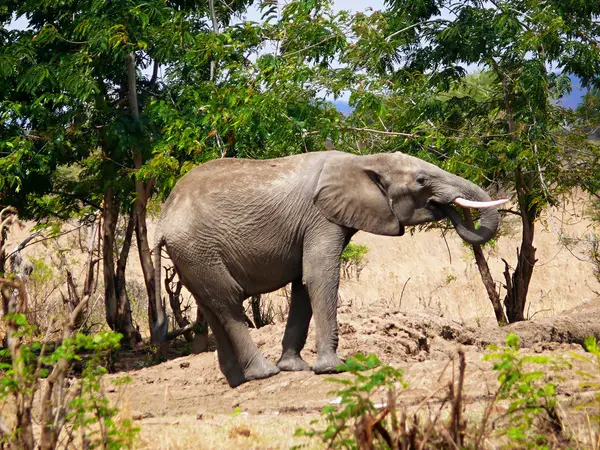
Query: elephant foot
{"x": 327, "y": 364}
{"x": 293, "y": 363}
{"x": 259, "y": 369}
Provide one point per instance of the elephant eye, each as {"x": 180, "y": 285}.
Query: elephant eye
{"x": 421, "y": 180}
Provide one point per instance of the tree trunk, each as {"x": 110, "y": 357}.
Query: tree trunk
{"x": 155, "y": 305}
{"x": 256, "y": 311}
{"x": 517, "y": 285}
{"x": 486, "y": 276}
{"x": 124, "y": 313}
{"x": 118, "y": 310}
{"x": 109, "y": 226}
{"x": 175, "y": 302}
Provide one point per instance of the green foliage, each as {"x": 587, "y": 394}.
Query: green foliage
{"x": 591, "y": 376}
{"x": 524, "y": 384}
{"x": 263, "y": 89}
{"x": 368, "y": 378}
{"x": 42, "y": 273}
{"x": 84, "y": 407}
{"x": 450, "y": 278}
{"x": 354, "y": 253}
{"x": 504, "y": 126}
{"x": 90, "y": 411}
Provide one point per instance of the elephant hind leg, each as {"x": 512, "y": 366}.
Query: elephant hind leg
{"x": 252, "y": 361}
{"x": 296, "y": 330}
{"x": 228, "y": 362}
{"x": 221, "y": 297}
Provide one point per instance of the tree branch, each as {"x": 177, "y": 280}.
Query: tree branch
{"x": 213, "y": 16}
{"x": 132, "y": 90}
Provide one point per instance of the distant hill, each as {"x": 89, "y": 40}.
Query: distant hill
{"x": 570, "y": 101}
{"x": 343, "y": 107}
{"x": 576, "y": 96}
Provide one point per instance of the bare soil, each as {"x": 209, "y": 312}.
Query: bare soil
{"x": 186, "y": 402}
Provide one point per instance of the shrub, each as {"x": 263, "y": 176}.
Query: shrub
{"x": 353, "y": 260}
{"x": 357, "y": 421}
{"x": 69, "y": 413}
{"x": 532, "y": 415}
{"x": 530, "y": 420}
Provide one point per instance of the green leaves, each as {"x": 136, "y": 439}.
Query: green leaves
{"x": 355, "y": 253}
{"x": 529, "y": 394}
{"x": 368, "y": 378}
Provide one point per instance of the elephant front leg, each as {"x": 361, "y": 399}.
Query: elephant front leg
{"x": 296, "y": 330}
{"x": 321, "y": 278}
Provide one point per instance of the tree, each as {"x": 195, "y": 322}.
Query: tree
{"x": 70, "y": 139}
{"x": 505, "y": 130}
{"x": 76, "y": 140}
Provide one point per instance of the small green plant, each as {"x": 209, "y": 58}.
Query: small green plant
{"x": 532, "y": 414}
{"x": 450, "y": 278}
{"x": 357, "y": 419}
{"x": 353, "y": 259}
{"x": 354, "y": 253}
{"x": 591, "y": 377}
{"x": 90, "y": 412}
{"x": 67, "y": 412}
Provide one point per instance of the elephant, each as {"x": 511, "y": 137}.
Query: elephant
{"x": 234, "y": 228}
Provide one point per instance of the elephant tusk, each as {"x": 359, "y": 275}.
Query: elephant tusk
{"x": 472, "y": 204}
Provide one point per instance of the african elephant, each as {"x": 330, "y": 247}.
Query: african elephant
{"x": 235, "y": 228}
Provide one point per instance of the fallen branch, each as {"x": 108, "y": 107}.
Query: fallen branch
{"x": 174, "y": 334}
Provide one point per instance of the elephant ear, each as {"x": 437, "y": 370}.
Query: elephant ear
{"x": 350, "y": 192}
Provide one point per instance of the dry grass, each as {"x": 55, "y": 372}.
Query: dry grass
{"x": 224, "y": 432}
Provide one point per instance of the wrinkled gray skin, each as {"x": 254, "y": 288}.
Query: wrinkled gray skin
{"x": 236, "y": 228}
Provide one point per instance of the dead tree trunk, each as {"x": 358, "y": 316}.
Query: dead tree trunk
{"x": 197, "y": 333}
{"x": 486, "y": 276}
{"x": 174, "y": 292}
{"x": 73, "y": 297}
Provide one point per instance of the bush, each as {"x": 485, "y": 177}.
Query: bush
{"x": 353, "y": 260}
{"x": 357, "y": 421}
{"x": 69, "y": 412}
{"x": 531, "y": 418}
{"x": 532, "y": 415}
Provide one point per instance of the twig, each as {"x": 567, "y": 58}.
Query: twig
{"x": 402, "y": 293}
{"x": 50, "y": 237}
{"x": 386, "y": 133}
{"x": 537, "y": 312}
{"x": 289, "y": 55}
{"x": 173, "y": 334}
{"x": 455, "y": 421}
{"x": 447, "y": 246}
{"x": 396, "y": 33}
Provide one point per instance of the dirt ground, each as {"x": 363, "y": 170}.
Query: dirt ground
{"x": 186, "y": 403}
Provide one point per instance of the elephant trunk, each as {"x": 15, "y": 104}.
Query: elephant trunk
{"x": 470, "y": 195}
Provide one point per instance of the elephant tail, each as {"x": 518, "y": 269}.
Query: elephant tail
{"x": 161, "y": 326}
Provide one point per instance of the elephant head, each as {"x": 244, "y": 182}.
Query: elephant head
{"x": 383, "y": 193}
